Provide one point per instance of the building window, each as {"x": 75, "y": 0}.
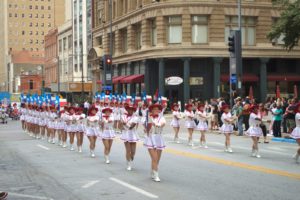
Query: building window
{"x": 30, "y": 15}
{"x": 31, "y": 85}
{"x": 138, "y": 36}
{"x": 36, "y": 7}
{"x": 153, "y": 32}
{"x": 10, "y": 15}
{"x": 36, "y": 24}
{"x": 30, "y": 7}
{"x": 278, "y": 41}
{"x": 174, "y": 30}
{"x": 65, "y": 43}
{"x": 23, "y": 32}
{"x": 42, "y": 15}
{"x": 49, "y": 7}
{"x": 36, "y": 41}
{"x": 42, "y": 33}
{"x": 60, "y": 46}
{"x": 16, "y": 15}
{"x": 42, "y": 25}
{"x": 30, "y": 24}
{"x": 42, "y": 7}
{"x": 49, "y": 24}
{"x": 36, "y": 33}
{"x": 76, "y": 68}
{"x": 81, "y": 67}
{"x": 124, "y": 40}
{"x": 248, "y": 29}
{"x": 199, "y": 29}
{"x": 70, "y": 42}
{"x": 30, "y": 32}
{"x": 23, "y": 15}
{"x": 36, "y": 15}
{"x": 49, "y": 16}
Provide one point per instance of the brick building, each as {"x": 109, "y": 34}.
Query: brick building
{"x": 31, "y": 84}
{"x": 154, "y": 40}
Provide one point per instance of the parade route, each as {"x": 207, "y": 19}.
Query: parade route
{"x": 35, "y": 169}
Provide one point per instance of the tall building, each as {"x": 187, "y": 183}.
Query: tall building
{"x": 154, "y": 40}
{"x": 82, "y": 39}
{"x": 26, "y": 22}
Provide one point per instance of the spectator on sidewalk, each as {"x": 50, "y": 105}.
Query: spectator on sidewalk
{"x": 290, "y": 115}
{"x": 277, "y": 118}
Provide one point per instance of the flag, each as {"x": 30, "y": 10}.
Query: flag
{"x": 155, "y": 97}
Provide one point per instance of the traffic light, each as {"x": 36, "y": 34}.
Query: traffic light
{"x": 231, "y": 44}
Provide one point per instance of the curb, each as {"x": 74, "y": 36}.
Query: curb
{"x": 284, "y": 140}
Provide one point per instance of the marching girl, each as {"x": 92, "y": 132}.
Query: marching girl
{"x": 22, "y": 117}
{"x": 80, "y": 128}
{"x": 63, "y": 118}
{"x": 60, "y": 125}
{"x": 202, "y": 126}
{"x": 35, "y": 121}
{"x": 42, "y": 122}
{"x": 227, "y": 127}
{"x": 71, "y": 126}
{"x": 129, "y": 134}
{"x": 108, "y": 133}
{"x": 52, "y": 124}
{"x": 296, "y": 132}
{"x": 175, "y": 123}
{"x": 190, "y": 123}
{"x": 48, "y": 120}
{"x": 144, "y": 111}
{"x": 92, "y": 129}
{"x": 254, "y": 130}
{"x": 154, "y": 140}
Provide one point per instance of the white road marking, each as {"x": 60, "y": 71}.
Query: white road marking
{"x": 43, "y": 147}
{"x": 134, "y": 188}
{"x": 28, "y": 196}
{"x": 89, "y": 184}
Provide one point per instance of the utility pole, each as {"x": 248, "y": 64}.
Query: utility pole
{"x": 58, "y": 76}
{"x": 239, "y": 60}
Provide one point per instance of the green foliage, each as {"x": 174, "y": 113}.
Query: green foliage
{"x": 288, "y": 24}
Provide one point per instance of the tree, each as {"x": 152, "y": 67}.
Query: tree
{"x": 288, "y": 24}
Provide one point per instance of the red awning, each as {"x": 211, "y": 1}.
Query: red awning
{"x": 246, "y": 78}
{"x": 117, "y": 79}
{"x": 282, "y": 77}
{"x": 137, "y": 78}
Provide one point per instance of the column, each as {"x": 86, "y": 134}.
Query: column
{"x": 145, "y": 34}
{"x": 130, "y": 38}
{"x": 161, "y": 76}
{"x": 105, "y": 40}
{"x": 147, "y": 76}
{"x": 217, "y": 77}
{"x": 263, "y": 79}
{"x": 186, "y": 27}
{"x": 186, "y": 80}
{"x": 160, "y": 30}
{"x": 117, "y": 42}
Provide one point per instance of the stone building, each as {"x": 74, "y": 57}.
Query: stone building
{"x": 153, "y": 40}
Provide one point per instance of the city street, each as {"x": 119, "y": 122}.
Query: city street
{"x": 35, "y": 169}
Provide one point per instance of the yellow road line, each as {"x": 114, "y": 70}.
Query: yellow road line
{"x": 230, "y": 163}
{"x": 233, "y": 163}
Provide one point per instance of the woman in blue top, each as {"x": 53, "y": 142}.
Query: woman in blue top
{"x": 277, "y": 118}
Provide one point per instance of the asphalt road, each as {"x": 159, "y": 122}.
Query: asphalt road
{"x": 34, "y": 169}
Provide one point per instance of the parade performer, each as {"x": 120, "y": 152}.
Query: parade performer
{"x": 254, "y": 130}
{"x": 60, "y": 126}
{"x": 227, "y": 128}
{"x": 190, "y": 123}
{"x": 52, "y": 124}
{"x": 79, "y": 116}
{"x": 296, "y": 132}
{"x": 71, "y": 125}
{"x": 22, "y": 117}
{"x": 92, "y": 129}
{"x": 48, "y": 117}
{"x": 117, "y": 116}
{"x": 129, "y": 133}
{"x": 154, "y": 140}
{"x": 108, "y": 133}
{"x": 175, "y": 123}
{"x": 42, "y": 122}
{"x": 202, "y": 126}
{"x": 63, "y": 116}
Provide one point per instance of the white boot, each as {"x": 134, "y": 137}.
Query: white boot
{"x": 156, "y": 177}
{"x": 230, "y": 149}
{"x": 204, "y": 145}
{"x": 191, "y": 143}
{"x": 64, "y": 145}
{"x": 129, "y": 166}
{"x": 80, "y": 149}
{"x": 53, "y": 141}
{"x": 253, "y": 154}
{"x": 106, "y": 159}
{"x": 257, "y": 154}
{"x": 92, "y": 154}
{"x": 72, "y": 147}
{"x": 226, "y": 149}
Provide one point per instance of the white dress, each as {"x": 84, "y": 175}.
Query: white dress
{"x": 254, "y": 128}
{"x": 127, "y": 134}
{"x": 92, "y": 126}
{"x": 108, "y": 131}
{"x": 190, "y": 123}
{"x": 296, "y": 132}
{"x": 71, "y": 123}
{"x": 226, "y": 127}
{"x": 202, "y": 125}
{"x": 79, "y": 123}
{"x": 176, "y": 119}
{"x": 22, "y": 111}
{"x": 155, "y": 140}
